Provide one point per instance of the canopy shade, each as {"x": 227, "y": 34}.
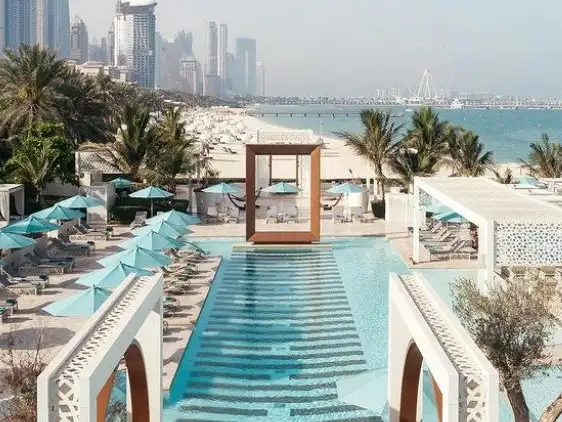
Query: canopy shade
{"x": 83, "y": 304}
{"x": 58, "y": 212}
{"x": 152, "y": 241}
{"x": 174, "y": 217}
{"x": 282, "y": 187}
{"x": 30, "y": 225}
{"x": 151, "y": 193}
{"x": 121, "y": 183}
{"x": 222, "y": 188}
{"x": 163, "y": 228}
{"x": 137, "y": 257}
{"x": 80, "y": 201}
{"x": 345, "y": 188}
{"x": 111, "y": 277}
{"x": 14, "y": 241}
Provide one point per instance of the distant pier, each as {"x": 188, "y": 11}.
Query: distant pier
{"x": 310, "y": 114}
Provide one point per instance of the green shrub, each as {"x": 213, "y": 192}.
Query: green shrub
{"x": 125, "y": 214}
{"x": 125, "y": 209}
{"x": 378, "y": 208}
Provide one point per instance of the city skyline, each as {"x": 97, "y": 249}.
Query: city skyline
{"x": 387, "y": 44}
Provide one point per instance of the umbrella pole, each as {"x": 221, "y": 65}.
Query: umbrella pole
{"x": 151, "y": 207}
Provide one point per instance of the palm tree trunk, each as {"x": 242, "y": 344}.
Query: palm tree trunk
{"x": 380, "y": 181}
{"x": 553, "y": 411}
{"x": 518, "y": 403}
{"x": 190, "y": 194}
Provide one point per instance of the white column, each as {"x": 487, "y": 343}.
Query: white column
{"x": 88, "y": 400}
{"x": 416, "y": 224}
{"x": 486, "y": 250}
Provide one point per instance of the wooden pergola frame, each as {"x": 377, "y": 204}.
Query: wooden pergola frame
{"x": 279, "y": 237}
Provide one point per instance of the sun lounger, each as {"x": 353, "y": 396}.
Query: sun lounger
{"x": 10, "y": 275}
{"x": 271, "y": 214}
{"x": 82, "y": 234}
{"x": 30, "y": 267}
{"x": 338, "y": 214}
{"x": 40, "y": 256}
{"x": 511, "y": 273}
{"x": 72, "y": 248}
{"x": 292, "y": 215}
{"x": 139, "y": 220}
{"x": 212, "y": 214}
{"x": 232, "y": 215}
{"x": 22, "y": 287}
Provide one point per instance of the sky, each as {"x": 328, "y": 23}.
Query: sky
{"x": 354, "y": 47}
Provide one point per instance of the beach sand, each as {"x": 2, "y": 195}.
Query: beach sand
{"x": 338, "y": 161}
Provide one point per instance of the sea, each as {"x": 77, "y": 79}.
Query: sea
{"x": 507, "y": 133}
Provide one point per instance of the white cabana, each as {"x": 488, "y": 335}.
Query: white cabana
{"x": 19, "y": 197}
{"x": 514, "y": 228}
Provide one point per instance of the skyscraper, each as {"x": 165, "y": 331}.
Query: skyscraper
{"x": 13, "y": 23}
{"x": 222, "y": 60}
{"x": 78, "y": 41}
{"x": 212, "y": 81}
{"x": 246, "y": 62}
{"x": 190, "y": 71}
{"x": 111, "y": 45}
{"x": 260, "y": 79}
{"x": 53, "y": 25}
{"x": 135, "y": 39}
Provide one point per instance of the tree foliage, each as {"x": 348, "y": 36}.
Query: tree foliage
{"x": 377, "y": 144}
{"x": 545, "y": 158}
{"x": 512, "y": 323}
{"x": 468, "y": 156}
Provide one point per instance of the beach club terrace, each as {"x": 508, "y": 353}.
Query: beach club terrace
{"x": 507, "y": 229}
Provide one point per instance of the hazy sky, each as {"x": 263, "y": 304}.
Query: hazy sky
{"x": 353, "y": 47}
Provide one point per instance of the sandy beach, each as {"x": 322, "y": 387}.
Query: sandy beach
{"x": 338, "y": 161}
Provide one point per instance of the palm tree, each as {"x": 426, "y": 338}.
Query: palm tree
{"x": 506, "y": 178}
{"x": 376, "y": 144}
{"x": 37, "y": 86}
{"x": 467, "y": 153}
{"x": 408, "y": 163}
{"x": 545, "y": 158}
{"x": 35, "y": 170}
{"x": 430, "y": 137}
{"x": 135, "y": 137}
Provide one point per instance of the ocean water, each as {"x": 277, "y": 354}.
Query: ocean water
{"x": 507, "y": 133}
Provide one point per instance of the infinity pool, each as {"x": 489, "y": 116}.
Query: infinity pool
{"x": 282, "y": 330}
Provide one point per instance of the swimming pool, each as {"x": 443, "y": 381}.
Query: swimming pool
{"x": 281, "y": 328}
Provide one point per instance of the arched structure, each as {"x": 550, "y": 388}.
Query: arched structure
{"x": 76, "y": 385}
{"x": 422, "y": 328}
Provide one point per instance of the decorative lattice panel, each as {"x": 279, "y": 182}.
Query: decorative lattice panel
{"x": 425, "y": 198}
{"x": 292, "y": 137}
{"x": 65, "y": 396}
{"x": 529, "y": 243}
{"x": 472, "y": 388}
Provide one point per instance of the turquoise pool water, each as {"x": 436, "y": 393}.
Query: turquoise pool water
{"x": 280, "y": 328}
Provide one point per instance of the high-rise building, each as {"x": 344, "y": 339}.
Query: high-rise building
{"x": 98, "y": 51}
{"x": 2, "y": 26}
{"x": 190, "y": 71}
{"x": 79, "y": 41}
{"x": 111, "y": 45}
{"x": 135, "y": 39}
{"x": 246, "y": 63}
{"x": 222, "y": 59}
{"x": 52, "y": 18}
{"x": 184, "y": 41}
{"x": 14, "y": 23}
{"x": 212, "y": 49}
{"x": 260, "y": 79}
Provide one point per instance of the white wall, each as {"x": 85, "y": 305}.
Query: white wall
{"x": 398, "y": 213}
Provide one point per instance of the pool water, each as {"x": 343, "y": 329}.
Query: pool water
{"x": 281, "y": 328}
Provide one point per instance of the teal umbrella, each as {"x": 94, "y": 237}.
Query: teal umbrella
{"x": 83, "y": 304}
{"x": 111, "y": 277}
{"x": 30, "y": 225}
{"x": 174, "y": 217}
{"x": 345, "y": 188}
{"x": 450, "y": 217}
{"x": 80, "y": 201}
{"x": 438, "y": 209}
{"x": 152, "y": 241}
{"x": 121, "y": 183}
{"x": 58, "y": 212}
{"x": 282, "y": 187}
{"x": 137, "y": 257}
{"x": 14, "y": 241}
{"x": 164, "y": 228}
{"x": 151, "y": 193}
{"x": 222, "y": 188}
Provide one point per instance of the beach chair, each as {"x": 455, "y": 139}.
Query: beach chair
{"x": 82, "y": 234}
{"x": 139, "y": 220}
{"x": 292, "y": 215}
{"x": 89, "y": 228}
{"x": 72, "y": 248}
{"x": 271, "y": 214}
{"x": 232, "y": 215}
{"x": 513, "y": 272}
{"x": 41, "y": 256}
{"x": 12, "y": 278}
{"x": 212, "y": 214}
{"x": 338, "y": 214}
{"x": 32, "y": 266}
